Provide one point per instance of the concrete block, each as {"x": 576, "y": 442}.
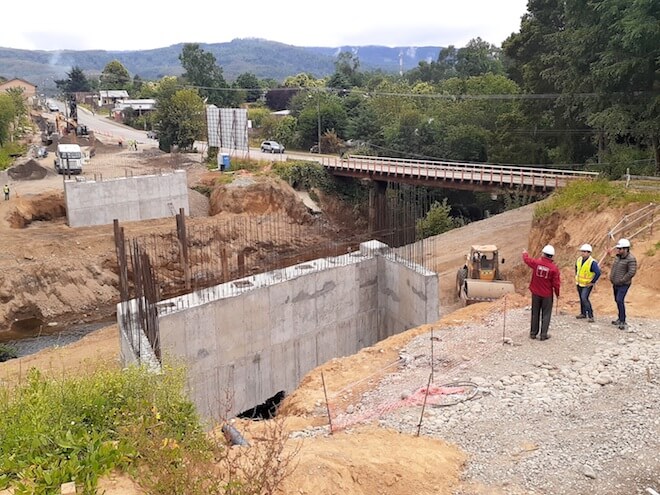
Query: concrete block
{"x": 68, "y": 488}
{"x": 373, "y": 247}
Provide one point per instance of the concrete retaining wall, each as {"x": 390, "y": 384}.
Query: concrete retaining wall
{"x": 252, "y": 338}
{"x": 126, "y": 199}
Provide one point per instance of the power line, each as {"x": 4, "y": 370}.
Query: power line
{"x": 441, "y": 96}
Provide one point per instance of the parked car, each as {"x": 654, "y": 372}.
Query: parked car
{"x": 314, "y": 149}
{"x": 272, "y": 147}
{"x": 52, "y": 107}
{"x": 152, "y": 134}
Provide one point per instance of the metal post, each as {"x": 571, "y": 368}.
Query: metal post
{"x": 318, "y": 116}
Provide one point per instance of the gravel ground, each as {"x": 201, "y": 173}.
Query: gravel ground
{"x": 576, "y": 414}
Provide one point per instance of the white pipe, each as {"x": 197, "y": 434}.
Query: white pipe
{"x": 652, "y": 491}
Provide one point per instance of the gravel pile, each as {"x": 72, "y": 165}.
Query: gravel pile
{"x": 577, "y": 414}
{"x": 29, "y": 170}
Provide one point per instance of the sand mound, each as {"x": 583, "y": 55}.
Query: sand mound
{"x": 258, "y": 197}
{"x": 30, "y": 170}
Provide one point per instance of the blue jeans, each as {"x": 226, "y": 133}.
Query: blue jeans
{"x": 620, "y": 292}
{"x": 585, "y": 304}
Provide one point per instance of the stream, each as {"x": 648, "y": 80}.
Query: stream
{"x": 33, "y": 343}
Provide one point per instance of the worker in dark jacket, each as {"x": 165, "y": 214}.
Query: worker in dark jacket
{"x": 587, "y": 273}
{"x": 623, "y": 270}
{"x": 545, "y": 281}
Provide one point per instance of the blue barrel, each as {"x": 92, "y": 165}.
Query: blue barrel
{"x": 224, "y": 164}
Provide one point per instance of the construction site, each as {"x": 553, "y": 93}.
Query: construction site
{"x": 397, "y": 365}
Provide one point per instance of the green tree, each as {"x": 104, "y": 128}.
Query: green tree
{"x": 12, "y": 111}
{"x": 251, "y": 84}
{"x": 7, "y": 117}
{"x": 202, "y": 71}
{"x": 324, "y": 112}
{"x": 604, "y": 59}
{"x": 302, "y": 81}
{"x": 436, "y": 221}
{"x": 76, "y": 81}
{"x": 347, "y": 74}
{"x": 115, "y": 76}
{"x": 478, "y": 57}
{"x": 180, "y": 115}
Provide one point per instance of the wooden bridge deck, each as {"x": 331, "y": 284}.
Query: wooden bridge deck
{"x": 452, "y": 174}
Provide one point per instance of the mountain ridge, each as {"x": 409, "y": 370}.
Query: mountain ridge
{"x": 263, "y": 58}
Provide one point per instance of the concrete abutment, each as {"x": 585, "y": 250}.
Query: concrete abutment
{"x": 247, "y": 340}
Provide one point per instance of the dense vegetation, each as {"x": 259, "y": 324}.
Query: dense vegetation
{"x": 77, "y": 429}
{"x": 577, "y": 86}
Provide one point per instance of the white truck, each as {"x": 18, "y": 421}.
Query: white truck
{"x": 69, "y": 159}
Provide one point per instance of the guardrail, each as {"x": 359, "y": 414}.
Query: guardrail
{"x": 641, "y": 220}
{"x": 457, "y": 171}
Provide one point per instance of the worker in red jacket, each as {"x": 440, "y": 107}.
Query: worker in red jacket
{"x": 545, "y": 281}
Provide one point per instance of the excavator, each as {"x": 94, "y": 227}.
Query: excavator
{"x": 480, "y": 278}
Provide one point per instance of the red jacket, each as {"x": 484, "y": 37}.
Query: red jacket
{"x": 545, "y": 276}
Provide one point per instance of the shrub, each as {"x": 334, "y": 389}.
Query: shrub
{"x": 77, "y": 429}
{"x": 436, "y": 221}
{"x": 304, "y": 175}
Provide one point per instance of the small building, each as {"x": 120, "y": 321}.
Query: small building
{"x": 29, "y": 89}
{"x": 110, "y": 97}
{"x": 140, "y": 106}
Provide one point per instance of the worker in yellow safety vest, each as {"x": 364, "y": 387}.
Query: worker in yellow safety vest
{"x": 587, "y": 272}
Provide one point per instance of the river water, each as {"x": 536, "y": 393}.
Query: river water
{"x": 35, "y": 343}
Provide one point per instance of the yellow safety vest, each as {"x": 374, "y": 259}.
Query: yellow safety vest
{"x": 584, "y": 275}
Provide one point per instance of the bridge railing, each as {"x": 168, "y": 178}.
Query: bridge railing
{"x": 462, "y": 171}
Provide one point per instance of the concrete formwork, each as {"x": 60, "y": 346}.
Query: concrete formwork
{"x": 126, "y": 199}
{"x": 246, "y": 340}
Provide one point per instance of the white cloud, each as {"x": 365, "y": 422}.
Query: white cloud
{"x": 131, "y": 25}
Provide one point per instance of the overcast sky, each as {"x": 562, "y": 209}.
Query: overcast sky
{"x": 140, "y": 25}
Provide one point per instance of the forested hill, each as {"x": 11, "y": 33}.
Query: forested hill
{"x": 264, "y": 59}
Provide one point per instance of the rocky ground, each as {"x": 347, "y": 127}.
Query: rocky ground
{"x": 575, "y": 414}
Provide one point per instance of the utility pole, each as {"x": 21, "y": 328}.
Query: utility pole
{"x": 318, "y": 117}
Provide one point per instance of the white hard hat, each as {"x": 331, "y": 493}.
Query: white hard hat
{"x": 623, "y": 243}
{"x": 549, "y": 250}
{"x": 586, "y": 247}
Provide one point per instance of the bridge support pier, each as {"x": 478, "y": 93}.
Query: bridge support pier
{"x": 378, "y": 214}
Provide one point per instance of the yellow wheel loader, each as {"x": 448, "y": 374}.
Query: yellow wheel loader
{"x": 480, "y": 278}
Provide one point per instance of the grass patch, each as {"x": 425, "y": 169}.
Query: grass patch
{"x": 592, "y": 195}
{"x": 205, "y": 190}
{"x": 77, "y": 429}
{"x": 653, "y": 249}
{"x": 134, "y": 421}
{"x": 9, "y": 152}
